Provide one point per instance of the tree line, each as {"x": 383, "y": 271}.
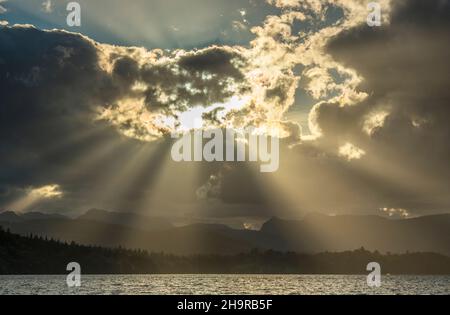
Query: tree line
{"x": 38, "y": 255}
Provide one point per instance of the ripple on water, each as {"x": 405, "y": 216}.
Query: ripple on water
{"x": 225, "y": 284}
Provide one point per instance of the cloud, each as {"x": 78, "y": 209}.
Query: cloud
{"x": 351, "y": 152}
{"x": 33, "y": 196}
{"x": 399, "y": 123}
{"x": 161, "y": 86}
{"x": 386, "y": 116}
{"x": 50, "y": 96}
{"x": 49, "y": 191}
{"x": 52, "y": 130}
{"x": 402, "y": 112}
{"x": 165, "y": 86}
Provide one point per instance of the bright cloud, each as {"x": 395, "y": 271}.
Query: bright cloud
{"x": 48, "y": 191}
{"x": 173, "y": 83}
{"x": 351, "y": 152}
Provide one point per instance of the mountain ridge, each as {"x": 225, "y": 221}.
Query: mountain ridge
{"x": 318, "y": 233}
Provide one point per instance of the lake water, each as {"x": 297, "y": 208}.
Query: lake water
{"x": 224, "y": 284}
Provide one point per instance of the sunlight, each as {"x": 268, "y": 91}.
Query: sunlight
{"x": 351, "y": 152}
{"x": 34, "y": 196}
{"x": 193, "y": 118}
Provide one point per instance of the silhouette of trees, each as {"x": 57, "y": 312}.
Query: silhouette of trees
{"x": 37, "y": 255}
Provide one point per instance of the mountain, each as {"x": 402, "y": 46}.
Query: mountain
{"x": 315, "y": 233}
{"x": 127, "y": 219}
{"x": 10, "y": 216}
{"x": 196, "y": 239}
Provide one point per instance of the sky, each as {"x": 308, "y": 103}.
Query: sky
{"x": 86, "y": 113}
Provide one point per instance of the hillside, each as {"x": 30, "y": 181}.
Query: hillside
{"x": 314, "y": 234}
{"x": 34, "y": 255}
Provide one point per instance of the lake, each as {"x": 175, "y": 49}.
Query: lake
{"x": 225, "y": 284}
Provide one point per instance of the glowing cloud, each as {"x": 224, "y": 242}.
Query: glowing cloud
{"x": 46, "y": 192}
{"x": 351, "y": 152}
{"x": 33, "y": 196}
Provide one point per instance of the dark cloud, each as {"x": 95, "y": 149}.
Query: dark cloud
{"x": 49, "y": 81}
{"x": 406, "y": 71}
{"x": 197, "y": 78}
{"x": 51, "y": 86}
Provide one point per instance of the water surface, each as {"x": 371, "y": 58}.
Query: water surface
{"x": 225, "y": 284}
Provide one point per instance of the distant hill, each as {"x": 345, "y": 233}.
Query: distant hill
{"x": 35, "y": 255}
{"x": 318, "y": 233}
{"x": 183, "y": 241}
{"x": 126, "y": 219}
{"x": 314, "y": 234}
{"x": 10, "y": 216}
